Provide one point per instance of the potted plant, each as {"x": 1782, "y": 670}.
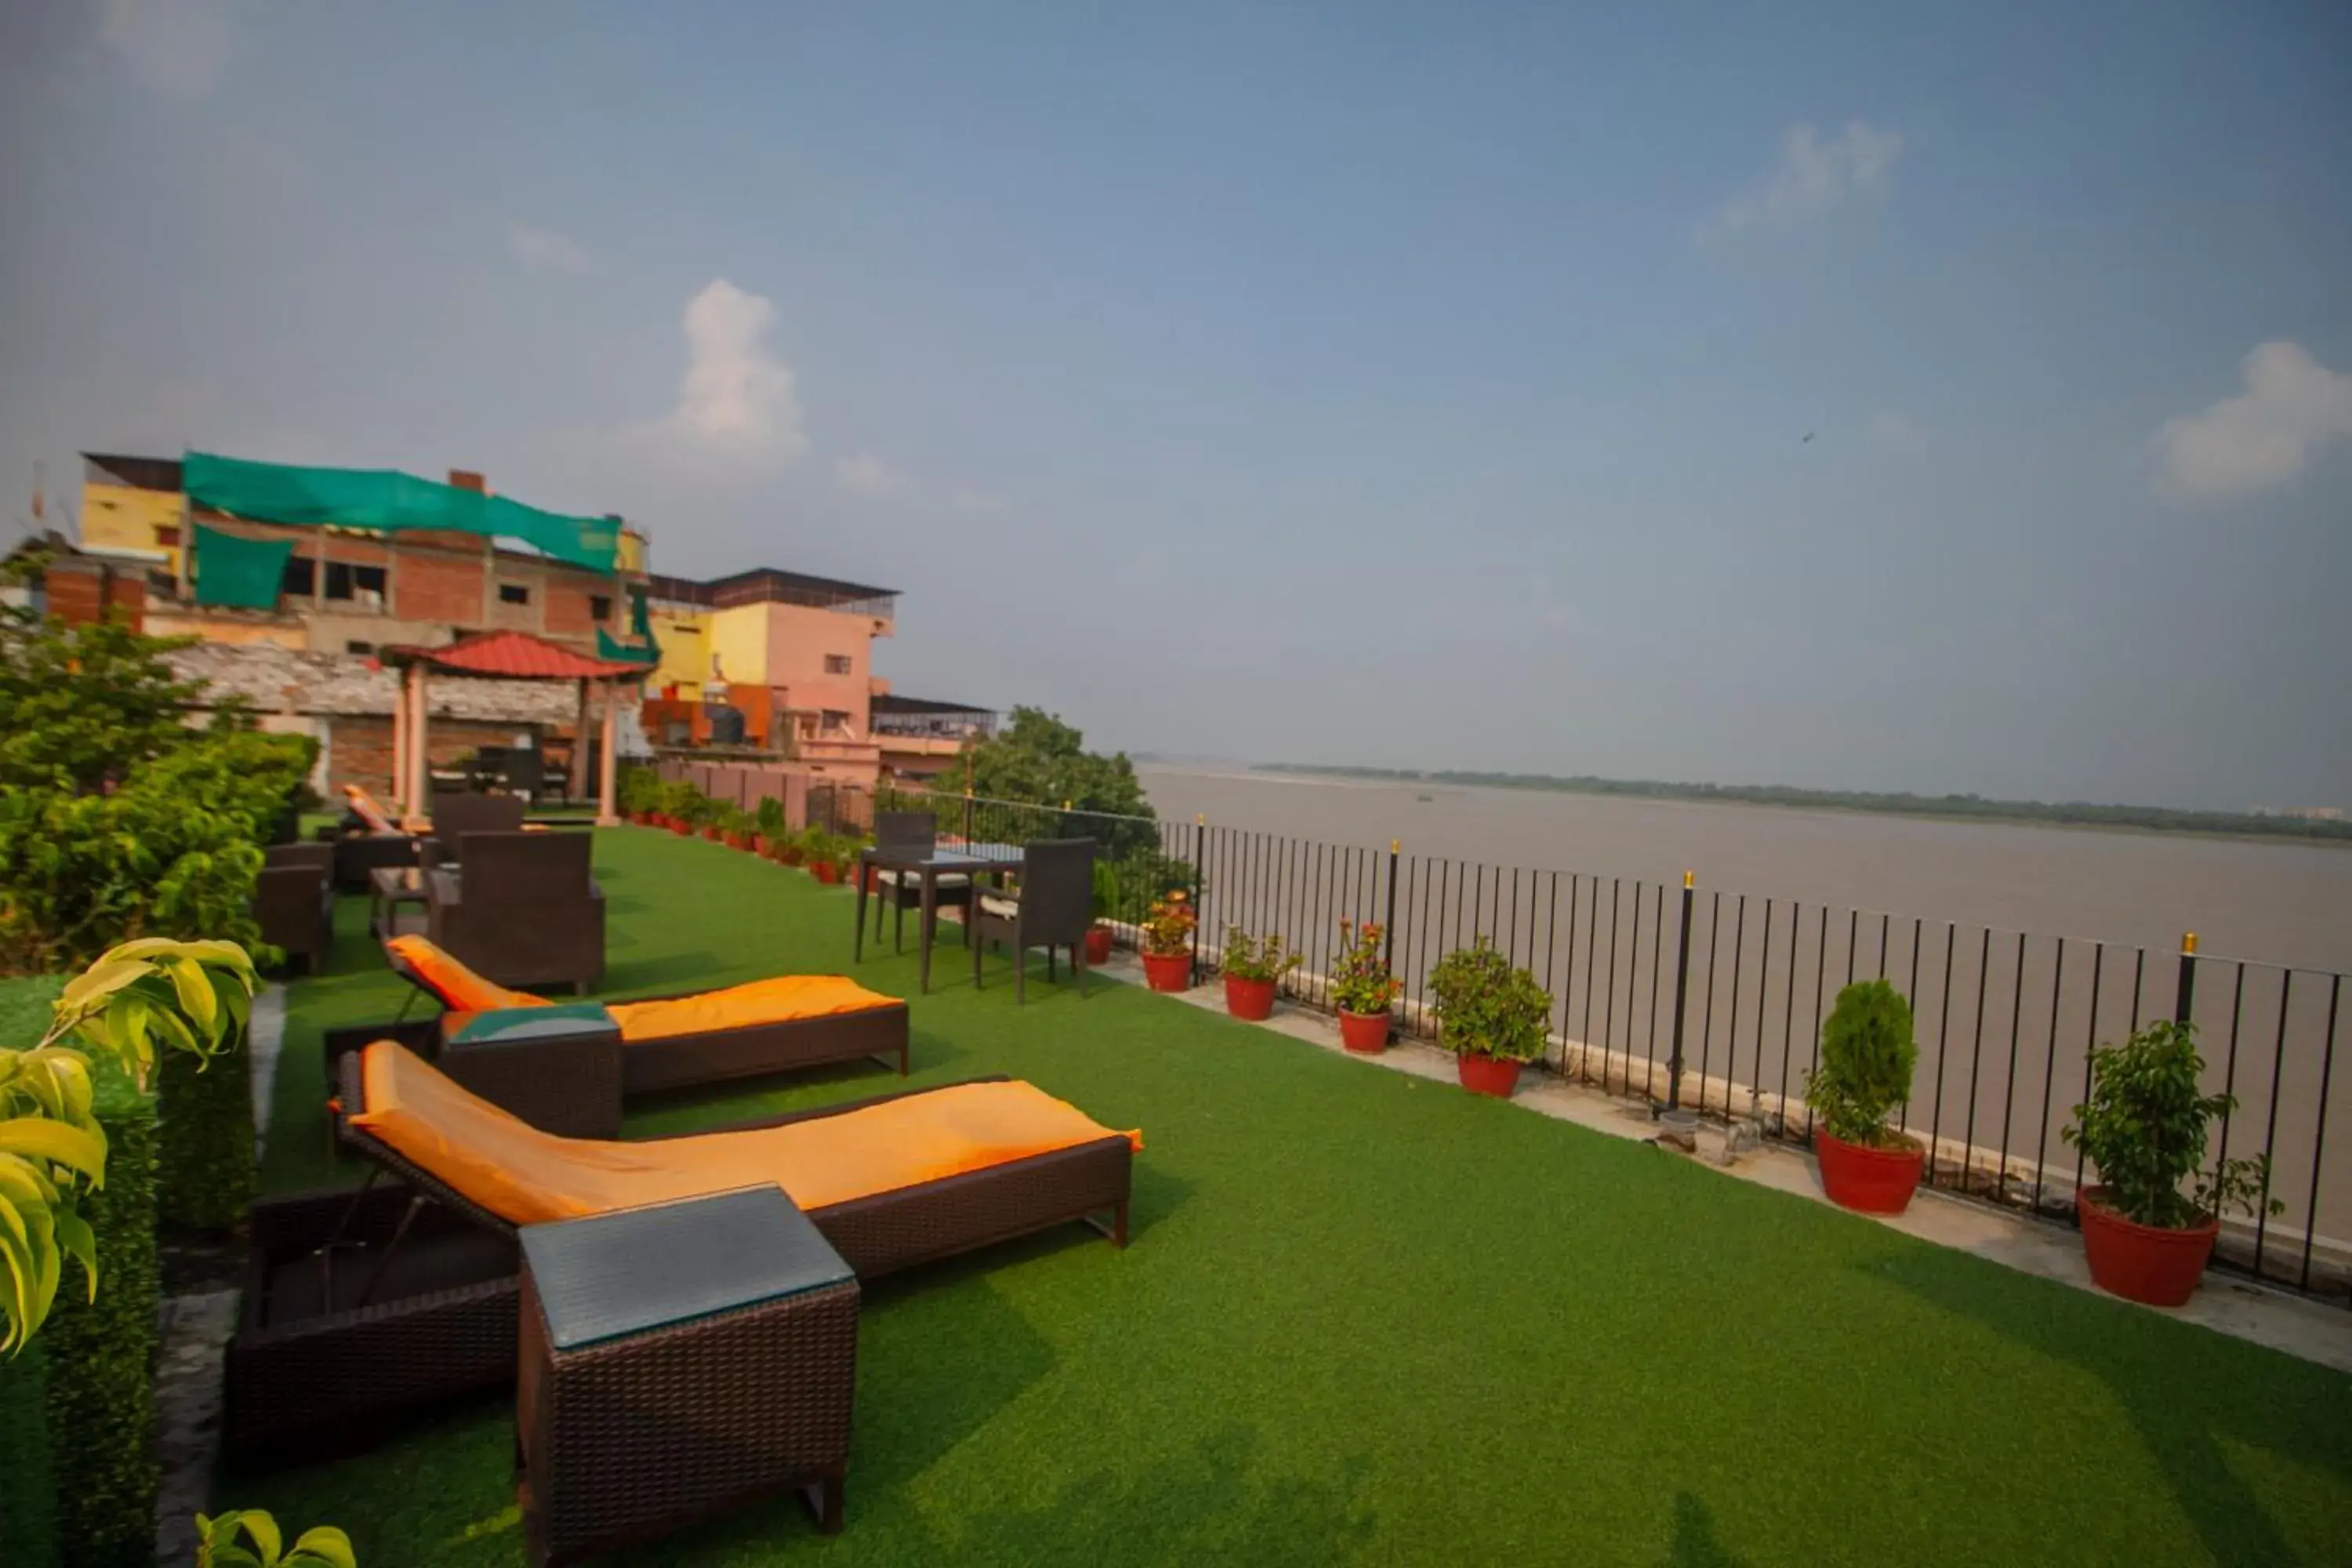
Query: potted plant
{"x": 1251, "y": 970}
{"x": 789, "y": 848}
{"x": 1363, "y": 989}
{"x": 1103, "y": 899}
{"x": 1167, "y": 940}
{"x": 1867, "y": 1055}
{"x": 2144, "y": 1127}
{"x": 736, "y": 828}
{"x": 823, "y": 857}
{"x": 767, "y": 824}
{"x": 1492, "y": 1018}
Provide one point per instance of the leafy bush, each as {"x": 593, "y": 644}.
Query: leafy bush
{"x": 1245, "y": 959}
{"x": 640, "y": 790}
{"x": 2144, "y": 1127}
{"x": 1169, "y": 925}
{"x": 1362, "y": 983}
{"x": 1867, "y": 1055}
{"x": 1488, "y": 1009}
{"x": 1036, "y": 758}
{"x": 769, "y": 820}
{"x": 83, "y": 705}
{"x": 28, "y": 1522}
{"x": 218, "y": 1543}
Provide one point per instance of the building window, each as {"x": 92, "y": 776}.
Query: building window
{"x": 600, "y": 609}
{"x": 355, "y": 585}
{"x": 837, "y": 664}
{"x": 300, "y": 576}
{"x": 359, "y": 648}
{"x": 834, "y": 719}
{"x": 513, "y": 593}
{"x": 167, "y": 535}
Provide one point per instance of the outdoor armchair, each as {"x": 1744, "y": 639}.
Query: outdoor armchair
{"x": 520, "y": 907}
{"x": 1052, "y": 908}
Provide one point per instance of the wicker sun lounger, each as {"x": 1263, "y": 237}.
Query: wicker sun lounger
{"x": 532, "y": 1082}
{"x": 362, "y": 1305}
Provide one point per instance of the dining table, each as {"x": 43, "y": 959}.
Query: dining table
{"x": 930, "y": 863}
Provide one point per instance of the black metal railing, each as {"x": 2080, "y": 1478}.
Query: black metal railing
{"x": 1714, "y": 999}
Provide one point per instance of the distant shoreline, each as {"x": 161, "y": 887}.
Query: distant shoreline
{"x": 2246, "y": 825}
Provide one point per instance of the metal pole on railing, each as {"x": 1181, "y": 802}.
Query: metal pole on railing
{"x": 1682, "y": 993}
{"x": 2185, "y": 997}
{"x": 1388, "y": 920}
{"x": 1200, "y": 829}
{"x": 967, "y": 811}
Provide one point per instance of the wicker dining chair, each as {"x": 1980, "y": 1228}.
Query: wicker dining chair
{"x": 1052, "y": 908}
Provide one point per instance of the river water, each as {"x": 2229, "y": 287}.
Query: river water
{"x": 2019, "y": 946}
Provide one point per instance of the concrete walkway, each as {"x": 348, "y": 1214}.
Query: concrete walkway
{"x": 2224, "y": 1303}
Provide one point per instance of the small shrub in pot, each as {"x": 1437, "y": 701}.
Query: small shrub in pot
{"x": 1167, "y": 937}
{"x": 1868, "y": 1053}
{"x": 1362, "y": 989}
{"x": 1252, "y": 969}
{"x": 2149, "y": 1225}
{"x": 1491, "y": 1015}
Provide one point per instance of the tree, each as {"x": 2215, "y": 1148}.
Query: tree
{"x": 1039, "y": 759}
{"x": 81, "y": 705}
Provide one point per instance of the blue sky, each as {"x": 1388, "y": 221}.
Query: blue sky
{"x": 1409, "y": 385}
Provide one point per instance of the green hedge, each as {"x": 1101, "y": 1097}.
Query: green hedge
{"x": 101, "y": 1355}
{"x": 205, "y": 1160}
{"x": 28, "y": 1514}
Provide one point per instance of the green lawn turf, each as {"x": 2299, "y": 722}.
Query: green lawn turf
{"x": 1369, "y": 1319}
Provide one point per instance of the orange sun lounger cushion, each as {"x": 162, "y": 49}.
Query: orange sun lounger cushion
{"x": 780, "y": 999}
{"x": 526, "y": 1177}
{"x": 363, "y": 807}
{"x": 460, "y": 988}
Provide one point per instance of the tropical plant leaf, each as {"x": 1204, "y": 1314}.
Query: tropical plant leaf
{"x": 328, "y": 1545}
{"x": 78, "y": 1149}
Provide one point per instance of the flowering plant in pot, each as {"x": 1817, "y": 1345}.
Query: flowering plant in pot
{"x": 2144, "y": 1127}
{"x": 1867, "y": 1055}
{"x": 1363, "y": 989}
{"x": 822, "y": 851}
{"x": 1493, "y": 1017}
{"x": 1167, "y": 939}
{"x": 1252, "y": 969}
{"x": 1099, "y": 905}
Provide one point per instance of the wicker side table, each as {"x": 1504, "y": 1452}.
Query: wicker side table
{"x": 678, "y": 1360}
{"x": 558, "y": 1067}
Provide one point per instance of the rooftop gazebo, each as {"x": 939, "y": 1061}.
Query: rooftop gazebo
{"x": 505, "y": 656}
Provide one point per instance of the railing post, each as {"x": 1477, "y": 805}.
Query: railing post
{"x": 1682, "y": 995}
{"x": 1199, "y": 828}
{"x": 2186, "y": 997}
{"x": 1388, "y": 920}
{"x": 967, "y": 812}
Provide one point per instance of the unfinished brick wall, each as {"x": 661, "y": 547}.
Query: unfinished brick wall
{"x": 568, "y": 610}
{"x": 434, "y": 586}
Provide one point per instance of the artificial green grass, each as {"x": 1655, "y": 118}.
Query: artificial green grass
{"x": 1369, "y": 1319}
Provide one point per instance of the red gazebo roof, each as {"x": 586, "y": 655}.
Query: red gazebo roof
{"x": 513, "y": 656}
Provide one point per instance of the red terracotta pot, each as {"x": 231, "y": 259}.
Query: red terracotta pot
{"x": 1168, "y": 972}
{"x": 791, "y": 855}
{"x": 1249, "y": 999}
{"x": 2143, "y": 1262}
{"x": 1867, "y": 1180}
{"x": 759, "y": 845}
{"x": 826, "y": 871}
{"x": 1366, "y": 1034}
{"x": 739, "y": 840}
{"x": 680, "y": 827}
{"x": 1496, "y": 1076}
{"x": 712, "y": 834}
{"x": 1098, "y": 945}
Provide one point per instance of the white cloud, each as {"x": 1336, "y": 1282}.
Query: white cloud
{"x": 864, "y": 474}
{"x": 1814, "y": 176}
{"x": 545, "y": 248}
{"x": 738, "y": 401}
{"x": 2292, "y": 410}
{"x": 868, "y": 476}
{"x": 177, "y": 46}
{"x": 1897, "y": 431}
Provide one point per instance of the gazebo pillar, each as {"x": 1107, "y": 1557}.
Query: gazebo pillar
{"x": 581, "y": 782}
{"x": 607, "y": 771}
{"x": 400, "y": 740}
{"x": 420, "y": 785}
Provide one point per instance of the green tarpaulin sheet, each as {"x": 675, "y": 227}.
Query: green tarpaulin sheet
{"x": 242, "y": 574}
{"x": 386, "y": 499}
{"x": 644, "y": 651}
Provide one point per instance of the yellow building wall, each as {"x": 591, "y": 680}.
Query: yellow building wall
{"x": 739, "y": 639}
{"x": 123, "y": 518}
{"x": 630, "y": 558}
{"x": 685, "y": 640}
